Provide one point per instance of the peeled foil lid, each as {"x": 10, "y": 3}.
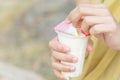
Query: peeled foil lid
{"x": 67, "y": 28}
{"x": 71, "y": 30}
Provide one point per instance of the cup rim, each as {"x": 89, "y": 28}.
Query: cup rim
{"x": 70, "y": 35}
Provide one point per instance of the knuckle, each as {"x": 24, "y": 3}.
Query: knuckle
{"x": 53, "y": 59}
{"x": 71, "y": 15}
{"x": 57, "y": 55}
{"x": 52, "y": 55}
{"x": 56, "y": 74}
{"x": 54, "y": 66}
{"x": 51, "y": 42}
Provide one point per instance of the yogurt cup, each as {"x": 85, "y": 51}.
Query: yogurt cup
{"x": 77, "y": 44}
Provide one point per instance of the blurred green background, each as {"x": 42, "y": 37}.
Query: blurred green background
{"x": 26, "y": 27}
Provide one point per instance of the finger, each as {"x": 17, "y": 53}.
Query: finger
{"x": 90, "y": 45}
{"x": 62, "y": 67}
{"x": 78, "y": 12}
{"x": 67, "y": 21}
{"x": 75, "y": 17}
{"x": 57, "y": 46}
{"x": 93, "y": 5}
{"x": 79, "y": 23}
{"x": 59, "y": 75}
{"x": 64, "y": 57}
{"x": 85, "y": 26}
{"x": 89, "y": 11}
{"x": 53, "y": 59}
{"x": 93, "y": 20}
{"x": 102, "y": 28}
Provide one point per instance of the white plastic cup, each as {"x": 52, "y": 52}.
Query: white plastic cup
{"x": 77, "y": 44}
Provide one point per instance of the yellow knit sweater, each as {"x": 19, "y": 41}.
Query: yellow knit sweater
{"x": 103, "y": 63}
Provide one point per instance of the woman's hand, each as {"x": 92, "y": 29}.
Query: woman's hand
{"x": 97, "y": 20}
{"x": 61, "y": 53}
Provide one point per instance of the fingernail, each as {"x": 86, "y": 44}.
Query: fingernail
{"x": 72, "y": 68}
{"x": 90, "y": 48}
{"x": 66, "y": 49}
{"x": 75, "y": 59}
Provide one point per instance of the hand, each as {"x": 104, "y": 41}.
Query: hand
{"x": 60, "y": 53}
{"x": 97, "y": 20}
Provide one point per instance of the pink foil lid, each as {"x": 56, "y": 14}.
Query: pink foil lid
{"x": 63, "y": 26}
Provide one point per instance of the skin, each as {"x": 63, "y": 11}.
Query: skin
{"x": 94, "y": 19}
